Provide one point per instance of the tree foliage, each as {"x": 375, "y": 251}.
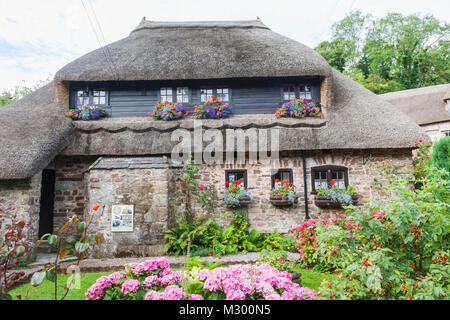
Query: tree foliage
{"x": 391, "y": 53}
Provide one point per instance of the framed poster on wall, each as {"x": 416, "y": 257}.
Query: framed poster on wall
{"x": 122, "y": 218}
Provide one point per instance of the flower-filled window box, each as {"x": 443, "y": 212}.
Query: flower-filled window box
{"x": 334, "y": 197}
{"x": 283, "y": 192}
{"x": 212, "y": 109}
{"x": 168, "y": 111}
{"x": 86, "y": 113}
{"x": 299, "y": 108}
{"x": 236, "y": 195}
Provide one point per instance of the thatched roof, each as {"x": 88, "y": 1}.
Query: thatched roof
{"x": 423, "y": 105}
{"x": 357, "y": 119}
{"x": 197, "y": 50}
{"x": 33, "y": 131}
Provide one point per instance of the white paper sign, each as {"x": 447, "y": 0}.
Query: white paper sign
{"x": 122, "y": 218}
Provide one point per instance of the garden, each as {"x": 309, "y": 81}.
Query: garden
{"x": 395, "y": 248}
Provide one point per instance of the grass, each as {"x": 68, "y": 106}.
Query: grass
{"x": 310, "y": 279}
{"x": 46, "y": 290}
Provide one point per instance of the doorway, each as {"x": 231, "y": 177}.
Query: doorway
{"x": 47, "y": 202}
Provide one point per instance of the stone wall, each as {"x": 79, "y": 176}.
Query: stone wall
{"x": 70, "y": 191}
{"x": 266, "y": 217}
{"x": 25, "y": 196}
{"x": 147, "y": 190}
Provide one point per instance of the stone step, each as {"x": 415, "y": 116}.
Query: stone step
{"x": 44, "y": 247}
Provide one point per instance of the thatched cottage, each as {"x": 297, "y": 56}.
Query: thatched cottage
{"x": 429, "y": 107}
{"x": 52, "y": 167}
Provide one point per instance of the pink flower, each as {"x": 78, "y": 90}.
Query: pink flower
{"x": 202, "y": 186}
{"x": 130, "y": 285}
{"x": 195, "y": 297}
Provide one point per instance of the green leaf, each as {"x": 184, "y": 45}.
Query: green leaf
{"x": 81, "y": 226}
{"x": 50, "y": 275}
{"x": 52, "y": 240}
{"x": 37, "y": 279}
{"x": 81, "y": 247}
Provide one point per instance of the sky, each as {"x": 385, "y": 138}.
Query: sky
{"x": 37, "y": 38}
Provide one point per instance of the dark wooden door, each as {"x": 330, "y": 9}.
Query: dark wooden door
{"x": 47, "y": 202}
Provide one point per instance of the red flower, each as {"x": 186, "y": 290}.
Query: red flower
{"x": 332, "y": 183}
{"x": 277, "y": 180}
{"x": 227, "y": 183}
{"x": 95, "y": 207}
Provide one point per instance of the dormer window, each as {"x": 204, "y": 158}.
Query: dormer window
{"x": 166, "y": 95}
{"x": 82, "y": 98}
{"x": 288, "y": 93}
{"x": 99, "y": 98}
{"x": 183, "y": 94}
{"x": 223, "y": 95}
{"x": 305, "y": 92}
{"x": 206, "y": 94}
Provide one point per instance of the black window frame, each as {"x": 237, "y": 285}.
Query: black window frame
{"x": 328, "y": 169}
{"x": 274, "y": 173}
{"x": 239, "y": 171}
{"x": 91, "y": 97}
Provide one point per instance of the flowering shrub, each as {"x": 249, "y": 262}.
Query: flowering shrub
{"x": 168, "y": 111}
{"x": 308, "y": 244}
{"x": 213, "y": 109}
{"x": 342, "y": 195}
{"x": 299, "y": 108}
{"x": 234, "y": 193}
{"x": 286, "y": 191}
{"x": 86, "y": 112}
{"x": 421, "y": 161}
{"x": 400, "y": 250}
{"x": 278, "y": 260}
{"x": 155, "y": 280}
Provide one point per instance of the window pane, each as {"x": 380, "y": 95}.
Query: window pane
{"x": 166, "y": 95}
{"x": 289, "y": 92}
{"x": 99, "y": 97}
{"x": 82, "y": 98}
{"x": 222, "y": 95}
{"x": 206, "y": 94}
{"x": 305, "y": 92}
{"x": 183, "y": 94}
{"x": 236, "y": 176}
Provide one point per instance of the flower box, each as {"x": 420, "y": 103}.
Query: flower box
{"x": 327, "y": 203}
{"x": 280, "y": 202}
{"x": 244, "y": 201}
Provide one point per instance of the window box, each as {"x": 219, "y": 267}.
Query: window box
{"x": 245, "y": 201}
{"x": 327, "y": 203}
{"x": 280, "y": 202}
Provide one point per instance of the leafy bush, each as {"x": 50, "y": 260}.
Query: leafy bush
{"x": 299, "y": 108}
{"x": 168, "y": 111}
{"x": 86, "y": 113}
{"x": 155, "y": 280}
{"x": 278, "y": 260}
{"x": 399, "y": 250}
{"x": 441, "y": 155}
{"x": 421, "y": 161}
{"x": 214, "y": 109}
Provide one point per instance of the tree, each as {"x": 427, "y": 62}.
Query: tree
{"x": 391, "y": 53}
{"x": 8, "y": 97}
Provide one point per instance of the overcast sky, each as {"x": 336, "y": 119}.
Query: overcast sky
{"x": 38, "y": 37}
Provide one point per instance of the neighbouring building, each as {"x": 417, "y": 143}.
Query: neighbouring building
{"x": 52, "y": 167}
{"x": 429, "y": 107}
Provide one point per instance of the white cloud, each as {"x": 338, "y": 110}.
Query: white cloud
{"x": 47, "y": 34}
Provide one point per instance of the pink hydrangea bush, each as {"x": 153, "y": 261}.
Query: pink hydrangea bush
{"x": 155, "y": 280}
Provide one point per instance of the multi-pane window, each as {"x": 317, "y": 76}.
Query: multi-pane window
{"x": 206, "y": 94}
{"x": 82, "y": 98}
{"x": 236, "y": 175}
{"x": 223, "y": 95}
{"x": 322, "y": 176}
{"x": 288, "y": 93}
{"x": 320, "y": 179}
{"x": 446, "y": 133}
{"x": 305, "y": 92}
{"x": 281, "y": 175}
{"x": 99, "y": 97}
{"x": 183, "y": 94}
{"x": 166, "y": 95}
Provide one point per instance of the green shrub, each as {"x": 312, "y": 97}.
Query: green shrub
{"x": 400, "y": 248}
{"x": 278, "y": 260}
{"x": 441, "y": 155}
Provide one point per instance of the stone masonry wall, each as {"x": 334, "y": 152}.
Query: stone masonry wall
{"x": 147, "y": 190}
{"x": 266, "y": 218}
{"x": 25, "y": 196}
{"x": 70, "y": 195}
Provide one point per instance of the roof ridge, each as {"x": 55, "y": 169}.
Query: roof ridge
{"x": 226, "y": 24}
